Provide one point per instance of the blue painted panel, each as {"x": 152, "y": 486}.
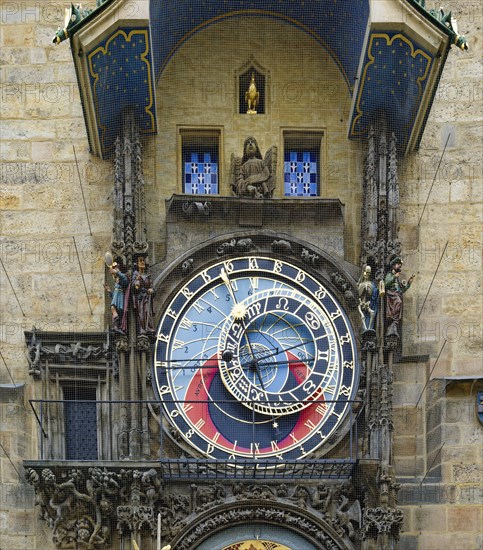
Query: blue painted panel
{"x": 300, "y": 172}
{"x": 200, "y": 173}
{"x": 121, "y": 77}
{"x": 338, "y": 25}
{"x": 393, "y": 80}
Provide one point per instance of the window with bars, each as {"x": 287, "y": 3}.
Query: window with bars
{"x": 80, "y": 416}
{"x": 301, "y": 167}
{"x": 200, "y": 162}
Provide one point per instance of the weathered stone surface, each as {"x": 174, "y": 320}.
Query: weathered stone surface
{"x": 465, "y": 518}
{"x": 436, "y": 541}
{"x": 408, "y": 446}
{"x": 426, "y": 493}
{"x": 14, "y": 151}
{"x": 18, "y": 35}
{"x": 467, "y": 473}
{"x": 472, "y": 494}
{"x": 409, "y": 466}
{"x": 408, "y": 542}
{"x": 20, "y": 522}
{"x": 407, "y": 420}
{"x": 432, "y": 517}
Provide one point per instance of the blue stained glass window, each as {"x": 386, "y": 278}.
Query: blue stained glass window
{"x": 200, "y": 175}
{"x": 301, "y": 173}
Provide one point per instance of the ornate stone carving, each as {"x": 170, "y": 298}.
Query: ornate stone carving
{"x": 135, "y": 514}
{"x": 82, "y": 505}
{"x": 117, "y": 244}
{"x": 129, "y": 202}
{"x": 253, "y": 492}
{"x": 187, "y": 266}
{"x": 122, "y": 344}
{"x": 376, "y": 521}
{"x": 344, "y": 286}
{"x": 253, "y": 514}
{"x": 75, "y": 508}
{"x": 310, "y": 258}
{"x": 281, "y": 246}
{"x": 204, "y": 497}
{"x": 235, "y": 245}
{"x": 392, "y": 192}
{"x": 192, "y": 208}
{"x": 80, "y": 352}
{"x": 254, "y": 176}
{"x": 143, "y": 343}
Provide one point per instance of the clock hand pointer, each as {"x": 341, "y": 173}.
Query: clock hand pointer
{"x": 242, "y": 308}
{"x": 239, "y": 315}
{"x": 226, "y": 280}
{"x": 227, "y": 354}
{"x": 283, "y": 350}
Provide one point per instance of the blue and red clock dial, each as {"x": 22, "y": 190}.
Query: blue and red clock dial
{"x": 255, "y": 358}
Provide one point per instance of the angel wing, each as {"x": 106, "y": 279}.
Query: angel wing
{"x": 236, "y": 163}
{"x": 270, "y": 161}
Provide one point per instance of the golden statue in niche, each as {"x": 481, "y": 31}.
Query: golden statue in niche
{"x": 252, "y": 96}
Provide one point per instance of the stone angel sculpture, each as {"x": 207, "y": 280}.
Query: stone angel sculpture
{"x": 254, "y": 176}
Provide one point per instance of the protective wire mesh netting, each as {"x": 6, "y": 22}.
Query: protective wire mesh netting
{"x": 229, "y": 354}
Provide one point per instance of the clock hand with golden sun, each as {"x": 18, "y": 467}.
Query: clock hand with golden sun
{"x": 239, "y": 313}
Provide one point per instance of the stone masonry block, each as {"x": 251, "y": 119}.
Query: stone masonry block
{"x": 432, "y": 518}
{"x": 434, "y": 415}
{"x": 20, "y": 521}
{"x": 15, "y": 35}
{"x": 465, "y": 518}
{"x": 471, "y": 494}
{"x": 408, "y": 542}
{"x": 409, "y": 466}
{"x": 437, "y": 541}
{"x": 408, "y": 446}
{"x": 467, "y": 473}
{"x": 426, "y": 493}
{"x": 407, "y": 420}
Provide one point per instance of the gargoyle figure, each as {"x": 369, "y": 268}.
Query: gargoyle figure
{"x": 73, "y": 16}
{"x": 254, "y": 176}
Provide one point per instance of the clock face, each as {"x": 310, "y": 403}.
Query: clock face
{"x": 255, "y": 358}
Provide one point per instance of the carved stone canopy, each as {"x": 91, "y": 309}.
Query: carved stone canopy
{"x": 95, "y": 505}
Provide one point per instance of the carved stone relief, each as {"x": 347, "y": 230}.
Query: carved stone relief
{"x": 82, "y": 505}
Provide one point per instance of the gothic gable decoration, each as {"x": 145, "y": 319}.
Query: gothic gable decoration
{"x": 411, "y": 79}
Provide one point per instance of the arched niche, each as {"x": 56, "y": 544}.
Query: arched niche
{"x": 243, "y": 80}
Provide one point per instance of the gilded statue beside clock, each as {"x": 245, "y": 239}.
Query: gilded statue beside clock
{"x": 255, "y": 358}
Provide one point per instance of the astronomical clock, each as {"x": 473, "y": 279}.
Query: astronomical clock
{"x": 255, "y": 358}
